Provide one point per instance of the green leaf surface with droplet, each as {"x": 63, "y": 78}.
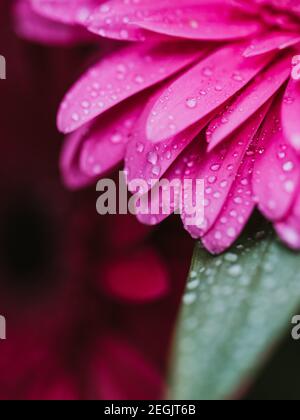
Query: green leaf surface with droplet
{"x": 235, "y": 310}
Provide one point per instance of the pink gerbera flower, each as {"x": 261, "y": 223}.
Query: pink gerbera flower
{"x": 205, "y": 89}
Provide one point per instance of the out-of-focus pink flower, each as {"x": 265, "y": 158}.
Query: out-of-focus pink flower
{"x": 68, "y": 284}
{"x": 206, "y": 89}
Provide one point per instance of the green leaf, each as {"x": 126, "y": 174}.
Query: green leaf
{"x": 236, "y": 307}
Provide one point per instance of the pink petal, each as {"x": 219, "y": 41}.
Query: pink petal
{"x": 146, "y": 160}
{"x": 176, "y": 173}
{"x": 246, "y": 6}
{"x": 31, "y": 26}
{"x": 208, "y": 21}
{"x": 276, "y": 170}
{"x": 124, "y": 20}
{"x": 65, "y": 11}
{"x": 271, "y": 41}
{"x": 236, "y": 212}
{"x": 291, "y": 113}
{"x": 72, "y": 176}
{"x": 289, "y": 229}
{"x": 121, "y": 75}
{"x": 257, "y": 93}
{"x": 201, "y": 90}
{"x": 104, "y": 145}
{"x": 138, "y": 277}
{"x": 114, "y": 20}
{"x": 219, "y": 170}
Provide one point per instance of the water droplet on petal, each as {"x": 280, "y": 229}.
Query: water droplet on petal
{"x": 191, "y": 103}
{"x": 153, "y": 158}
{"x": 288, "y": 166}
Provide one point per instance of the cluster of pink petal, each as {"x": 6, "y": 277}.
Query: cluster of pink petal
{"x": 199, "y": 89}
